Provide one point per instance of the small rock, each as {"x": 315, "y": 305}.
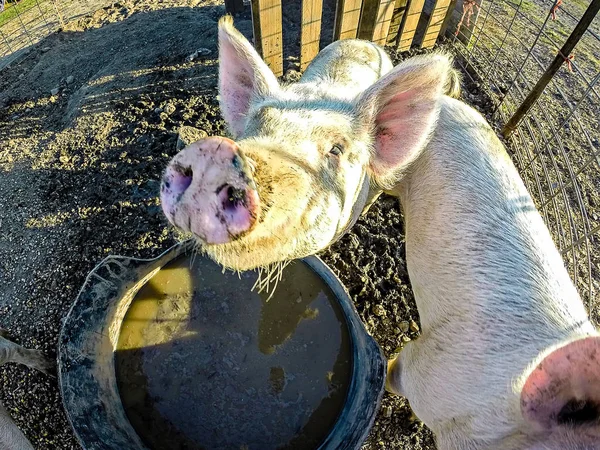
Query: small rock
{"x": 404, "y": 326}
{"x": 170, "y": 108}
{"x": 187, "y": 135}
{"x": 45, "y": 49}
{"x": 158, "y": 110}
{"x": 292, "y": 75}
{"x": 405, "y": 339}
{"x": 70, "y": 79}
{"x": 197, "y": 53}
{"x": 64, "y": 159}
{"x": 378, "y": 310}
{"x": 387, "y": 412}
{"x": 413, "y": 326}
{"x": 54, "y": 91}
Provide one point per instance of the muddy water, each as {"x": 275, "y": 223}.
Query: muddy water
{"x": 204, "y": 363}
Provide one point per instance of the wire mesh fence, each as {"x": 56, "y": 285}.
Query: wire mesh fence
{"x": 556, "y": 145}
{"x": 24, "y": 23}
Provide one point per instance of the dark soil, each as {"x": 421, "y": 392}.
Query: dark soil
{"x": 79, "y": 181}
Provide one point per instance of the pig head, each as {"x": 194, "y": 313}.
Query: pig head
{"x": 297, "y": 175}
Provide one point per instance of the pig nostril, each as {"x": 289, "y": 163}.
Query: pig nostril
{"x": 181, "y": 179}
{"x": 235, "y": 197}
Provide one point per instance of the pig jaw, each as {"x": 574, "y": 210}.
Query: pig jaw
{"x": 208, "y": 190}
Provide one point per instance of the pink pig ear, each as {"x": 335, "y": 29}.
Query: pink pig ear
{"x": 402, "y": 108}
{"x": 243, "y": 75}
{"x": 564, "y": 389}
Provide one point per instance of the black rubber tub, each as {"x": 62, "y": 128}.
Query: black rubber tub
{"x": 173, "y": 353}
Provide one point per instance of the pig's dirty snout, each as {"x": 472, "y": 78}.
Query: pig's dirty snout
{"x": 208, "y": 190}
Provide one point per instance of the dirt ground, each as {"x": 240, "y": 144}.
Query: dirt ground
{"x": 88, "y": 121}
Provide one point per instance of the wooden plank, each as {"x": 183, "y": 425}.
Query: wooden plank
{"x": 447, "y": 20}
{"x": 347, "y": 18}
{"x": 436, "y": 20}
{"x": 413, "y": 14}
{"x": 266, "y": 21}
{"x": 396, "y": 23}
{"x": 310, "y": 33}
{"x": 368, "y": 17}
{"x": 383, "y": 22}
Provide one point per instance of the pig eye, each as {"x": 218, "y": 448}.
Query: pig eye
{"x": 337, "y": 150}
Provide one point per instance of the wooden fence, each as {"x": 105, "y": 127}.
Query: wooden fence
{"x": 392, "y": 22}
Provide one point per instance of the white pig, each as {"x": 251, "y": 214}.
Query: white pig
{"x": 11, "y": 438}
{"x": 508, "y": 358}
{"x": 295, "y": 179}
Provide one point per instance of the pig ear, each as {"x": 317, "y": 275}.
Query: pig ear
{"x": 401, "y": 110}
{"x": 242, "y": 76}
{"x": 564, "y": 389}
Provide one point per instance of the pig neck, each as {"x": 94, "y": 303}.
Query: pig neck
{"x": 485, "y": 272}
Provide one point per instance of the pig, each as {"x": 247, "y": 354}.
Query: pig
{"x": 11, "y": 438}
{"x": 294, "y": 180}
{"x": 507, "y": 358}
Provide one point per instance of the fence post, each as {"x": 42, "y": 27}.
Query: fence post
{"x": 266, "y": 21}
{"x": 441, "y": 10}
{"x": 559, "y": 60}
{"x": 410, "y": 24}
{"x": 396, "y": 23}
{"x": 310, "y": 33}
{"x": 347, "y": 16}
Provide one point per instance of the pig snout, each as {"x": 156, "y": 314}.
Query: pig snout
{"x": 208, "y": 190}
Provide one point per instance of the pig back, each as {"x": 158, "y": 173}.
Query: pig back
{"x": 347, "y": 67}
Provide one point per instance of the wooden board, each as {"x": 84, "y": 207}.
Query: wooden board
{"x": 347, "y": 18}
{"x": 447, "y": 20}
{"x": 266, "y": 20}
{"x": 375, "y": 20}
{"x": 310, "y": 33}
{"x": 396, "y": 22}
{"x": 383, "y": 21}
{"x": 436, "y": 20}
{"x": 368, "y": 16}
{"x": 413, "y": 14}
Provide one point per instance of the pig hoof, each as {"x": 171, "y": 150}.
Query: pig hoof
{"x": 38, "y": 361}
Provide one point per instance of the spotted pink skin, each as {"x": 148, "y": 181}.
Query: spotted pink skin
{"x": 566, "y": 382}
{"x": 207, "y": 190}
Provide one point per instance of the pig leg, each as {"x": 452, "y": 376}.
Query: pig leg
{"x": 10, "y": 436}
{"x": 35, "y": 359}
